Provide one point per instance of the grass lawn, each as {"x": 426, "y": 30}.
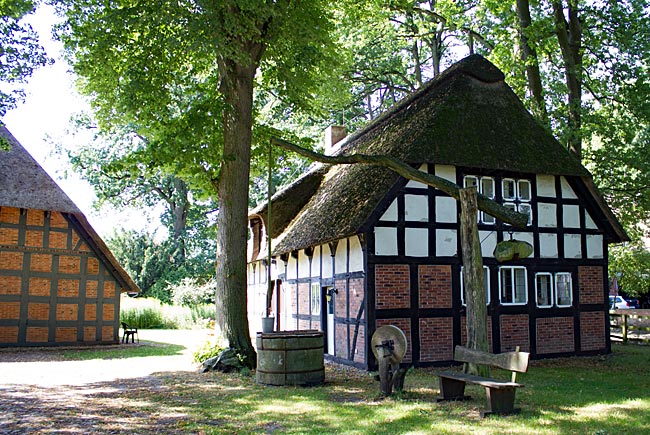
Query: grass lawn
{"x": 595, "y": 395}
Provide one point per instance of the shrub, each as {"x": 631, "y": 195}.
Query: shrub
{"x": 192, "y": 292}
{"x": 209, "y": 349}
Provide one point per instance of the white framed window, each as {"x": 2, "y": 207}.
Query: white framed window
{"x": 509, "y": 189}
{"x": 544, "y": 289}
{"x": 524, "y": 190}
{"x": 553, "y": 289}
{"x": 513, "y": 285}
{"x": 315, "y": 299}
{"x": 484, "y": 186}
{"x": 563, "y": 289}
{"x": 486, "y": 277}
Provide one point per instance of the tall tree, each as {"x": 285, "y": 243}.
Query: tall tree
{"x": 155, "y": 63}
{"x": 20, "y": 51}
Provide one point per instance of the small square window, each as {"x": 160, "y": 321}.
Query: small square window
{"x": 563, "y": 291}
{"x": 544, "y": 289}
{"x": 315, "y": 299}
{"x": 524, "y": 193}
{"x": 513, "y": 288}
{"x": 487, "y": 187}
{"x": 509, "y": 189}
{"x": 527, "y": 210}
{"x": 471, "y": 181}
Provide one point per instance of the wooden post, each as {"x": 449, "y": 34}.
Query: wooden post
{"x": 473, "y": 277}
{"x": 624, "y": 328}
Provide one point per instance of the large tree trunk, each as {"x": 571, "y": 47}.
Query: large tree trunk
{"x": 231, "y": 299}
{"x": 473, "y": 277}
{"x": 569, "y": 36}
{"x": 180, "y": 207}
{"x": 529, "y": 57}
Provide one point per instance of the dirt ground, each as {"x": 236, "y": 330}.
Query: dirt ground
{"x": 40, "y": 393}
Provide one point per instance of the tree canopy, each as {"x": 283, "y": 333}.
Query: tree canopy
{"x": 20, "y": 51}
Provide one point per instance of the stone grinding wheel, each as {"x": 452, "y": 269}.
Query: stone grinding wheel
{"x": 390, "y": 333}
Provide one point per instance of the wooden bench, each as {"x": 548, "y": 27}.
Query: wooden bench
{"x": 500, "y": 394}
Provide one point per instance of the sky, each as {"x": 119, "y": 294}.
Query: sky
{"x": 51, "y": 101}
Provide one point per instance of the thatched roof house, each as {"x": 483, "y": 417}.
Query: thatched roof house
{"x": 356, "y": 247}
{"x": 59, "y": 283}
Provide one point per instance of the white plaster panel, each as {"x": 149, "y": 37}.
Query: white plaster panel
{"x": 446, "y": 209}
{"x": 356, "y": 255}
{"x": 417, "y": 184}
{"x": 447, "y": 172}
{"x": 548, "y": 245}
{"x": 274, "y": 268}
{"x": 315, "y": 263}
{"x": 341, "y": 259}
{"x": 416, "y": 243}
{"x": 589, "y": 222}
{"x": 567, "y": 191}
{"x": 303, "y": 264}
{"x": 291, "y": 267}
{"x": 280, "y": 265}
{"x": 546, "y": 186}
{"x": 547, "y": 215}
{"x": 488, "y": 242}
{"x": 526, "y": 237}
{"x": 571, "y": 216}
{"x": 327, "y": 261}
{"x": 446, "y": 243}
{"x": 385, "y": 241}
{"x": 416, "y": 208}
{"x": 391, "y": 213}
{"x": 572, "y": 246}
{"x": 594, "y": 246}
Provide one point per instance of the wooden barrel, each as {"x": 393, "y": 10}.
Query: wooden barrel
{"x": 290, "y": 358}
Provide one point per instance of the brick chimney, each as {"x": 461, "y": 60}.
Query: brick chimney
{"x": 334, "y": 135}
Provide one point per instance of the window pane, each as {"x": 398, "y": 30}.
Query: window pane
{"x": 487, "y": 187}
{"x": 543, "y": 283}
{"x": 471, "y": 181}
{"x": 520, "y": 286}
{"x": 563, "y": 289}
{"x": 315, "y": 299}
{"x": 526, "y": 209}
{"x": 486, "y": 218}
{"x": 509, "y": 189}
{"x": 506, "y": 285}
{"x": 524, "y": 190}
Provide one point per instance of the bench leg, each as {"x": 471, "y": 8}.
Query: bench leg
{"x": 452, "y": 389}
{"x": 500, "y": 401}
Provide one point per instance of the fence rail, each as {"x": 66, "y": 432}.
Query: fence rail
{"x": 630, "y": 325}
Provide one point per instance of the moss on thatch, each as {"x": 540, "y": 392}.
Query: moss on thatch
{"x": 467, "y": 117}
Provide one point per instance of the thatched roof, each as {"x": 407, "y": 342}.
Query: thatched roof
{"x": 25, "y": 184}
{"x": 467, "y": 117}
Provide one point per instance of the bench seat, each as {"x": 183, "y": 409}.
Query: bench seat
{"x": 484, "y": 382}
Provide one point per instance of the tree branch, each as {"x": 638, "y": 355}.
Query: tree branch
{"x": 484, "y": 203}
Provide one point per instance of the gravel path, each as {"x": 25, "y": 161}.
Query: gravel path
{"x": 41, "y": 393}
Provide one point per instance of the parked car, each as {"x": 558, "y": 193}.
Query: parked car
{"x": 632, "y": 302}
{"x": 621, "y": 304}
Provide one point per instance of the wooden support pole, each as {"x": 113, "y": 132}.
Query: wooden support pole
{"x": 473, "y": 277}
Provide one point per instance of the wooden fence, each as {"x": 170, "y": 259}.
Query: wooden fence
{"x": 630, "y": 325}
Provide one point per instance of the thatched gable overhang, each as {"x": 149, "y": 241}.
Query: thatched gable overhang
{"x": 25, "y": 184}
{"x": 467, "y": 117}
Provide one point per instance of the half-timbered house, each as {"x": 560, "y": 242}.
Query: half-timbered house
{"x": 59, "y": 283}
{"x": 355, "y": 247}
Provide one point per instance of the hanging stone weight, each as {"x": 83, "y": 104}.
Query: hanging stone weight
{"x": 512, "y": 250}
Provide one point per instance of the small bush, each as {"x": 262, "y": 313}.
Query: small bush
{"x": 192, "y": 292}
{"x": 209, "y": 349}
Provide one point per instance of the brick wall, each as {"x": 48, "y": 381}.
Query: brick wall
{"x": 592, "y": 331}
{"x": 590, "y": 279}
{"x": 555, "y": 335}
{"x": 360, "y": 353}
{"x": 436, "y": 339}
{"x": 28, "y": 263}
{"x": 434, "y": 286}
{"x": 405, "y": 326}
{"x": 515, "y": 332}
{"x": 341, "y": 340}
{"x": 392, "y": 286}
